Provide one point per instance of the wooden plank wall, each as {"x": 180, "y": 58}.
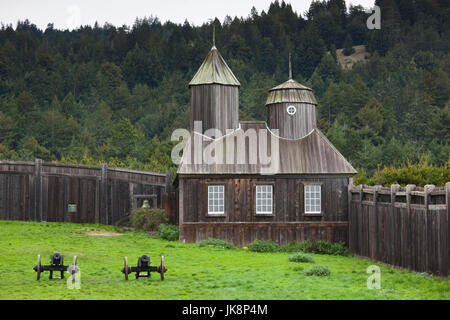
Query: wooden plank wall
{"x": 404, "y": 227}
{"x": 42, "y": 191}
{"x": 292, "y": 126}
{"x": 170, "y": 205}
{"x": 288, "y": 223}
{"x": 288, "y": 198}
{"x": 243, "y": 233}
{"x": 216, "y": 105}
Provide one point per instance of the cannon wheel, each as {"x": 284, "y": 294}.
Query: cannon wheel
{"x": 126, "y": 268}
{"x": 38, "y": 267}
{"x": 162, "y": 268}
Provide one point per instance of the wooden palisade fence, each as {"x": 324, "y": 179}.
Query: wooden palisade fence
{"x": 404, "y": 227}
{"x": 40, "y": 191}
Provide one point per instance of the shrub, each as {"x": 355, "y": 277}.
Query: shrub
{"x": 319, "y": 247}
{"x": 318, "y": 270}
{"x": 147, "y": 219}
{"x": 295, "y": 246}
{"x": 301, "y": 257}
{"x": 168, "y": 232}
{"x": 216, "y": 243}
{"x": 264, "y": 246}
{"x": 420, "y": 174}
{"x": 332, "y": 248}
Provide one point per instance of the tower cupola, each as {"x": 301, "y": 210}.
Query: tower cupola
{"x": 291, "y": 108}
{"x": 214, "y": 95}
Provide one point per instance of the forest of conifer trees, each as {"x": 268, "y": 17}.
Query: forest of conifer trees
{"x": 115, "y": 93}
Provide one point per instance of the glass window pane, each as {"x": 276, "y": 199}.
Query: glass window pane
{"x": 313, "y": 198}
{"x": 264, "y": 195}
{"x": 216, "y": 201}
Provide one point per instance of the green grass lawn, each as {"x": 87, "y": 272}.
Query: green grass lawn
{"x": 193, "y": 272}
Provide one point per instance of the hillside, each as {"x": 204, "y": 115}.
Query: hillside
{"x": 115, "y": 94}
{"x": 347, "y": 62}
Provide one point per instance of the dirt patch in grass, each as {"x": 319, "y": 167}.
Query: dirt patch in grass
{"x": 104, "y": 234}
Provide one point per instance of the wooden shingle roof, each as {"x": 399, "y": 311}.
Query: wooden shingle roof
{"x": 291, "y": 92}
{"x": 312, "y": 154}
{"x": 214, "y": 69}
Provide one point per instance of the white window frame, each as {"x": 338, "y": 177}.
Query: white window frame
{"x": 216, "y": 199}
{"x": 264, "y": 199}
{"x": 291, "y": 113}
{"x": 313, "y": 198}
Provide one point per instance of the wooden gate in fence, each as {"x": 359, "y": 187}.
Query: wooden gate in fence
{"x": 404, "y": 227}
{"x": 39, "y": 191}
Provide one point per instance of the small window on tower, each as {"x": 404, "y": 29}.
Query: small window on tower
{"x": 291, "y": 110}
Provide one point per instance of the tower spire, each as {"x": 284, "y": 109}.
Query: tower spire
{"x": 290, "y": 67}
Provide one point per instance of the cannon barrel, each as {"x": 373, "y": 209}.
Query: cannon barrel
{"x": 57, "y": 259}
{"x": 144, "y": 261}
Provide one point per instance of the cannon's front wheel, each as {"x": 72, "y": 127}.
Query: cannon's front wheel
{"x": 125, "y": 268}
{"x": 162, "y": 269}
{"x": 38, "y": 267}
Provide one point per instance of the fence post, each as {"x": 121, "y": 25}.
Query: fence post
{"x": 394, "y": 189}
{"x": 181, "y": 211}
{"x": 409, "y": 188}
{"x": 361, "y": 245}
{"x": 350, "y": 236}
{"x": 427, "y": 190}
{"x": 375, "y": 222}
{"x": 104, "y": 194}
{"x": 168, "y": 181}
{"x": 447, "y": 203}
{"x": 38, "y": 189}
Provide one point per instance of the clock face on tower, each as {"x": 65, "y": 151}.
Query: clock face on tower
{"x": 291, "y": 110}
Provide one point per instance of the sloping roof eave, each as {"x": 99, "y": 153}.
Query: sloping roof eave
{"x": 320, "y": 158}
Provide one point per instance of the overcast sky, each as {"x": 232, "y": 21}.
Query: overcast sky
{"x": 72, "y": 13}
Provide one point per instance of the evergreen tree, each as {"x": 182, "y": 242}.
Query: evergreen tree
{"x": 348, "y": 46}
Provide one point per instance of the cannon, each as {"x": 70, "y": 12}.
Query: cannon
{"x": 56, "y": 264}
{"x": 144, "y": 268}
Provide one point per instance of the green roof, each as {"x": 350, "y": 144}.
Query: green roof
{"x": 214, "y": 70}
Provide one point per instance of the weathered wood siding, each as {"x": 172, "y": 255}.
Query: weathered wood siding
{"x": 216, "y": 105}
{"x": 405, "y": 227}
{"x": 42, "y": 191}
{"x": 292, "y": 126}
{"x": 288, "y": 219}
{"x": 243, "y": 233}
